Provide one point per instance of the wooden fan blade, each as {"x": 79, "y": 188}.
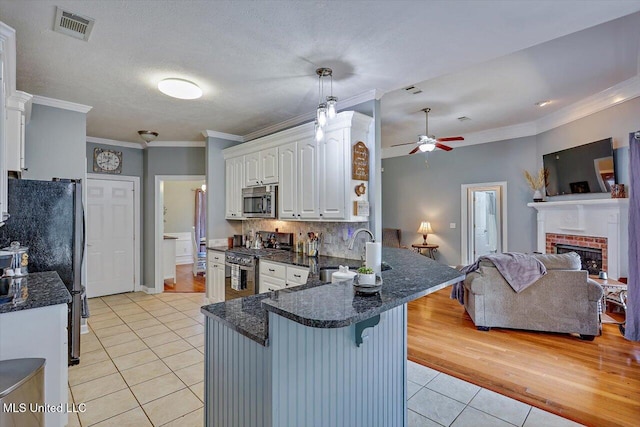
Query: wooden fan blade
{"x": 406, "y": 143}
{"x": 415, "y": 150}
{"x": 443, "y": 147}
{"x": 450, "y": 138}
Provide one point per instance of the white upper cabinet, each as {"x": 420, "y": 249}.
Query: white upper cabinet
{"x": 7, "y": 88}
{"x": 261, "y": 167}
{"x": 18, "y": 112}
{"x": 269, "y": 166}
{"x": 308, "y": 200}
{"x": 288, "y": 187}
{"x": 234, "y": 180}
{"x": 332, "y": 175}
{"x": 314, "y": 178}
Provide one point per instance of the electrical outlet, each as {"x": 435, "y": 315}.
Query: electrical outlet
{"x": 452, "y": 225}
{"x": 345, "y": 234}
{"x": 328, "y": 239}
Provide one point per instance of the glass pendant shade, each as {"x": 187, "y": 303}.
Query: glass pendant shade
{"x": 426, "y": 147}
{"x": 322, "y": 114}
{"x": 331, "y": 106}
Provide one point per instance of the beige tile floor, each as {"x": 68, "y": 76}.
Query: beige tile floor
{"x": 142, "y": 364}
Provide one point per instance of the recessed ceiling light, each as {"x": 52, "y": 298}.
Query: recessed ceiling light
{"x": 543, "y": 103}
{"x": 180, "y": 88}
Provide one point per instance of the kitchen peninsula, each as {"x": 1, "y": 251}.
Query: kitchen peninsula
{"x": 317, "y": 354}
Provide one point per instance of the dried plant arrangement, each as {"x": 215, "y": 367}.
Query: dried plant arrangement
{"x": 536, "y": 182}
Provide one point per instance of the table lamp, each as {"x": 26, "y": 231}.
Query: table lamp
{"x": 425, "y": 229}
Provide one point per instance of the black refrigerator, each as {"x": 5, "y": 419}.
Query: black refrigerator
{"x": 48, "y": 217}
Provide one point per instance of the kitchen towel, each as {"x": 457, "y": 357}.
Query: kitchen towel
{"x": 235, "y": 277}
{"x": 373, "y": 256}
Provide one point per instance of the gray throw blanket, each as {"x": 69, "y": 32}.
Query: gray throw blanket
{"x": 519, "y": 270}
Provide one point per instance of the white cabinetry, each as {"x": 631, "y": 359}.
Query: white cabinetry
{"x": 17, "y": 114}
{"x": 215, "y": 276}
{"x": 261, "y": 167}
{"x": 7, "y": 88}
{"x": 298, "y": 192}
{"x": 275, "y": 276}
{"x": 314, "y": 178}
{"x": 234, "y": 174}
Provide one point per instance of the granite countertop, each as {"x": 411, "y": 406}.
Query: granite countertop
{"x": 335, "y": 305}
{"x": 315, "y": 264}
{"x": 38, "y": 290}
{"x": 217, "y": 248}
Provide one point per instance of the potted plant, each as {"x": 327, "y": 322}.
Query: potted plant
{"x": 366, "y": 276}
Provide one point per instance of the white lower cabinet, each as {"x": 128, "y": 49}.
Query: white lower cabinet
{"x": 275, "y": 276}
{"x": 215, "y": 276}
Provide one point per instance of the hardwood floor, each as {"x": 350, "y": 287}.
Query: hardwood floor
{"x": 595, "y": 383}
{"x": 185, "y": 282}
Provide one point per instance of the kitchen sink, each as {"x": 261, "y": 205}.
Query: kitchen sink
{"x": 325, "y": 273}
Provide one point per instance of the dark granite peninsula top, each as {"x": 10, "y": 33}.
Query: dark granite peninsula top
{"x": 314, "y": 263}
{"x": 336, "y": 305}
{"x": 36, "y": 290}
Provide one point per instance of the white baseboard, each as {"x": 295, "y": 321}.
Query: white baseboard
{"x": 151, "y": 291}
{"x": 184, "y": 259}
{"x": 84, "y": 327}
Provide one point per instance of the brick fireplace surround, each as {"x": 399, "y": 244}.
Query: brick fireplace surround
{"x": 592, "y": 242}
{"x": 597, "y": 223}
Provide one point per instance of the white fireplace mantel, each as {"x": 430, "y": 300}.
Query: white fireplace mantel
{"x": 595, "y": 217}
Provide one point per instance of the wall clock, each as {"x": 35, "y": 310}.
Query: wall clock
{"x": 107, "y": 161}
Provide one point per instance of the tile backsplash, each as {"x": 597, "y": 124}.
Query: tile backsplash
{"x": 333, "y": 241}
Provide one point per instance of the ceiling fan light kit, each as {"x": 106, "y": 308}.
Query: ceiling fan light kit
{"x": 427, "y": 143}
{"x": 326, "y": 106}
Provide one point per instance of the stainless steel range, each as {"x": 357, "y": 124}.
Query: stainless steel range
{"x": 244, "y": 270}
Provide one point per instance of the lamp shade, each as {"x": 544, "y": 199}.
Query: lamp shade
{"x": 425, "y": 228}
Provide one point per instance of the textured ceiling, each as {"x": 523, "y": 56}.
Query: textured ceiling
{"x": 255, "y": 60}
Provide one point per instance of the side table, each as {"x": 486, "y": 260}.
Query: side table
{"x": 614, "y": 292}
{"x": 431, "y": 249}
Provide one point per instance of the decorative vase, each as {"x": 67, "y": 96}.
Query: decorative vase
{"x": 618, "y": 192}
{"x": 537, "y": 196}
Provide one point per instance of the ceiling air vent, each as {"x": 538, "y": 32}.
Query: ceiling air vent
{"x": 412, "y": 89}
{"x": 73, "y": 25}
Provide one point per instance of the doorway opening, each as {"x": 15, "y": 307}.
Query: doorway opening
{"x": 484, "y": 220}
{"x": 180, "y": 233}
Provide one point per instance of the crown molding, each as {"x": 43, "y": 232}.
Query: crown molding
{"x": 198, "y": 144}
{"x": 228, "y": 136}
{"x": 622, "y": 92}
{"x": 104, "y": 141}
{"x": 310, "y": 116}
{"x": 58, "y": 103}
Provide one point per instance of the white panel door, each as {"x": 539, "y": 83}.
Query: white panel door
{"x": 110, "y": 237}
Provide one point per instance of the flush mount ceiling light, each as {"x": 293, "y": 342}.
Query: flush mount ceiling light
{"x": 326, "y": 106}
{"x": 180, "y": 88}
{"x": 543, "y": 103}
{"x": 147, "y": 135}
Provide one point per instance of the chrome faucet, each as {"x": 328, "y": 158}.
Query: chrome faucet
{"x": 355, "y": 234}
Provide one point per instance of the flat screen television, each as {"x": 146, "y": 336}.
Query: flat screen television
{"x": 588, "y": 168}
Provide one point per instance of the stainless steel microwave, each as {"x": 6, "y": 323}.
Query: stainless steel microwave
{"x": 259, "y": 202}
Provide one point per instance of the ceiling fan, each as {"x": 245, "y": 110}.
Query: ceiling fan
{"x": 428, "y": 142}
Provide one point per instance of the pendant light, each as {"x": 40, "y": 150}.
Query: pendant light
{"x": 326, "y": 106}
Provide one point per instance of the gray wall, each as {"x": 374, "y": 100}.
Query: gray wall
{"x": 132, "y": 159}
{"x": 217, "y": 226}
{"x": 412, "y": 192}
{"x": 179, "y": 202}
{"x": 55, "y": 144}
{"x": 163, "y": 161}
